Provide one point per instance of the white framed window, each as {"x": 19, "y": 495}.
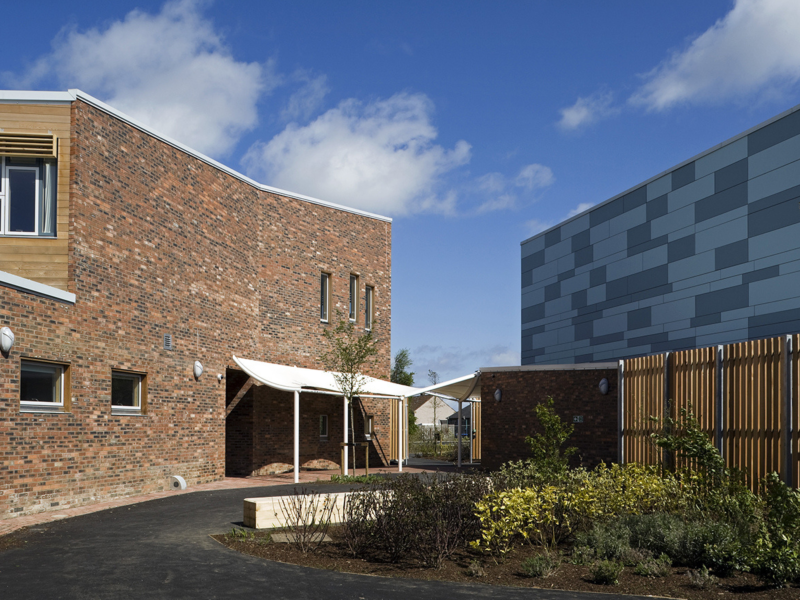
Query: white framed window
{"x": 369, "y": 300}
{"x": 27, "y": 197}
{"x": 42, "y": 386}
{"x": 127, "y": 393}
{"x": 353, "y": 310}
{"x": 323, "y": 427}
{"x": 324, "y": 296}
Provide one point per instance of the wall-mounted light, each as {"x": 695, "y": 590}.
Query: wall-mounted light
{"x": 198, "y": 369}
{"x": 498, "y": 395}
{"x": 603, "y": 386}
{"x": 220, "y": 376}
{"x": 6, "y": 340}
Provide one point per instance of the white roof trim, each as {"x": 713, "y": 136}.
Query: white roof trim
{"x": 34, "y": 287}
{"x": 297, "y": 379}
{"x": 78, "y": 94}
{"x": 8, "y": 96}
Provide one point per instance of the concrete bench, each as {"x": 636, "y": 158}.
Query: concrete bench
{"x": 266, "y": 513}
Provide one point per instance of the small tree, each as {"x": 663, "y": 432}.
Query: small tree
{"x": 547, "y": 457}
{"x": 349, "y": 352}
{"x": 401, "y": 375}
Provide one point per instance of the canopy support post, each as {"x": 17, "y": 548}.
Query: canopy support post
{"x": 296, "y": 436}
{"x": 346, "y": 427}
{"x": 400, "y": 436}
{"x": 458, "y": 434}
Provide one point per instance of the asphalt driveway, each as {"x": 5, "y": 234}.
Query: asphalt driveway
{"x": 162, "y": 549}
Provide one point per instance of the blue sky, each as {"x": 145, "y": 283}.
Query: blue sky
{"x": 473, "y": 124}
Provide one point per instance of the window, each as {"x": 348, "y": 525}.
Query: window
{"x": 27, "y": 196}
{"x": 323, "y": 427}
{"x": 324, "y": 296}
{"x": 353, "y": 297}
{"x": 127, "y": 393}
{"x": 368, "y": 307}
{"x": 42, "y": 386}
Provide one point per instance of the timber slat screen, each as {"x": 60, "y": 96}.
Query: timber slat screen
{"x": 693, "y": 387}
{"x": 644, "y": 397}
{"x": 476, "y": 427}
{"x": 752, "y": 436}
{"x": 754, "y": 426}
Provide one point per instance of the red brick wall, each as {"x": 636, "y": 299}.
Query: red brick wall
{"x": 506, "y": 424}
{"x": 163, "y": 243}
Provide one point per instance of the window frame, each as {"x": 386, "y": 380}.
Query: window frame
{"x": 46, "y": 171}
{"x": 369, "y": 307}
{"x": 353, "y": 306}
{"x": 64, "y": 387}
{"x": 7, "y": 199}
{"x": 324, "y": 297}
{"x": 323, "y": 419}
{"x": 141, "y": 392}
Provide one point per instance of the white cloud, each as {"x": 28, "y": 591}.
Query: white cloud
{"x": 586, "y": 110}
{"x": 378, "y": 157}
{"x": 504, "y": 192}
{"x": 582, "y": 207}
{"x": 170, "y": 70}
{"x": 307, "y": 99}
{"x": 450, "y": 361}
{"x": 754, "y": 48}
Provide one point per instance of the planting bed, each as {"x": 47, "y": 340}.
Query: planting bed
{"x": 334, "y": 556}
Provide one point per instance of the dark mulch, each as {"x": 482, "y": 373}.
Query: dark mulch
{"x": 334, "y": 556}
{"x": 15, "y": 539}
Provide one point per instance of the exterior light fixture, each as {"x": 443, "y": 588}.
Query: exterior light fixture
{"x": 6, "y": 340}
{"x": 603, "y": 386}
{"x": 198, "y": 369}
{"x": 498, "y": 395}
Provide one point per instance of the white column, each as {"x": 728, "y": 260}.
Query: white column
{"x": 458, "y": 433}
{"x": 346, "y": 425}
{"x": 400, "y": 438}
{"x": 297, "y": 437}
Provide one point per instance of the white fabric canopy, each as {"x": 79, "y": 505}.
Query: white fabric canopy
{"x": 466, "y": 388}
{"x": 297, "y": 379}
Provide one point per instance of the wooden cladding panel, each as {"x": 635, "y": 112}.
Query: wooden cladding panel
{"x": 476, "y": 425}
{"x": 42, "y": 260}
{"x": 643, "y": 397}
{"x": 752, "y": 407}
{"x": 693, "y": 387}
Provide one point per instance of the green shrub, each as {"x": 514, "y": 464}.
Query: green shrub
{"x": 701, "y": 578}
{"x": 606, "y": 572}
{"x": 655, "y": 567}
{"x": 582, "y": 555}
{"x": 608, "y": 541}
{"x": 475, "y": 569}
{"x": 776, "y": 556}
{"x": 541, "y": 565}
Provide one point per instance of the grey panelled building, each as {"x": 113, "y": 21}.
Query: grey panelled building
{"x": 705, "y": 253}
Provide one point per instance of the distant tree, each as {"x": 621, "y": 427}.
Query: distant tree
{"x": 400, "y": 374}
{"x": 436, "y": 402}
{"x": 349, "y": 352}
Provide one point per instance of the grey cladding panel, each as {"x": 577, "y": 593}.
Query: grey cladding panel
{"x": 597, "y": 276}
{"x": 638, "y": 319}
{"x": 533, "y": 261}
{"x": 774, "y": 133}
{"x": 533, "y": 313}
{"x": 566, "y": 275}
{"x": 774, "y": 212}
{"x": 683, "y": 176}
{"x": 638, "y": 235}
{"x": 711, "y": 319}
{"x": 584, "y": 256}
{"x": 731, "y": 255}
{"x": 654, "y": 338}
{"x": 527, "y": 279}
{"x": 634, "y": 199}
{"x": 651, "y": 278}
{"x": 606, "y": 212}
{"x": 580, "y": 240}
{"x": 617, "y": 288}
{"x": 552, "y": 237}
{"x": 721, "y": 158}
{"x": 657, "y": 207}
{"x": 584, "y": 331}
{"x": 722, "y": 300}
{"x": 552, "y": 291}
{"x": 767, "y": 273}
{"x": 579, "y": 300}
{"x": 681, "y": 248}
{"x": 730, "y": 176}
{"x": 720, "y": 203}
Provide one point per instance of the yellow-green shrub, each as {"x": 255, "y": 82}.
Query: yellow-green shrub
{"x": 547, "y": 514}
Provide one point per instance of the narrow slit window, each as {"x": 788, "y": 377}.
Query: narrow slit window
{"x": 369, "y": 316}
{"x": 324, "y": 296}
{"x": 353, "y": 297}
{"x": 323, "y": 426}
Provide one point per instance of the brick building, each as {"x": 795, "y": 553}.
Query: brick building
{"x": 124, "y": 258}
